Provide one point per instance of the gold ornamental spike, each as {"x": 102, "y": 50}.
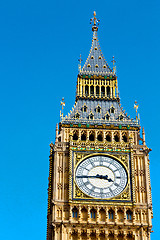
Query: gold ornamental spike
{"x": 136, "y": 107}
{"x": 61, "y": 111}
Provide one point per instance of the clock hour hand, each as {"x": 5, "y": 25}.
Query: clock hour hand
{"x": 104, "y": 177}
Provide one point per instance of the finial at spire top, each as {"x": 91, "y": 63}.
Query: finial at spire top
{"x": 95, "y": 22}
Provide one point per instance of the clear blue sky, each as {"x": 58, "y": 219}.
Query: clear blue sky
{"x": 40, "y": 44}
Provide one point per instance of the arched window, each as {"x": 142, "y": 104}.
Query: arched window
{"x": 111, "y": 214}
{"x": 75, "y": 136}
{"x": 116, "y": 138}
{"x": 91, "y": 116}
{"x": 93, "y": 214}
{"x": 77, "y": 115}
{"x": 112, "y": 110}
{"x": 108, "y": 91}
{"x": 91, "y": 137}
{"x": 129, "y": 215}
{"x": 107, "y": 117}
{"x": 121, "y": 117}
{"x": 102, "y": 91}
{"x": 120, "y": 215}
{"x": 59, "y": 139}
{"x": 86, "y": 91}
{"x": 84, "y": 108}
{"x": 84, "y": 214}
{"x": 99, "y": 137}
{"x": 108, "y": 138}
{"x": 124, "y": 138}
{"x": 102, "y": 213}
{"x": 111, "y": 236}
{"x": 97, "y": 90}
{"x": 98, "y": 109}
{"x": 83, "y": 137}
{"x": 74, "y": 212}
{"x": 92, "y": 90}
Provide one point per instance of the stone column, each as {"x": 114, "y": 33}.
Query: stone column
{"x": 94, "y": 84}
{"x": 114, "y": 89}
{"x": 107, "y": 214}
{"x": 115, "y": 211}
{"x": 125, "y": 216}
{"x": 87, "y": 136}
{"x": 111, "y": 95}
{"x": 98, "y": 234}
{"x": 89, "y": 88}
{"x": 120, "y": 136}
{"x": 89, "y": 208}
{"x": 133, "y": 216}
{"x": 79, "y": 135}
{"x": 80, "y": 214}
{"x": 83, "y": 84}
{"x": 96, "y": 135}
{"x": 88, "y": 234}
{"x": 98, "y": 216}
{"x": 112, "y": 136}
{"x": 99, "y": 88}
{"x": 105, "y": 91}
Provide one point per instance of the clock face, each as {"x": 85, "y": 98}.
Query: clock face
{"x": 101, "y": 177}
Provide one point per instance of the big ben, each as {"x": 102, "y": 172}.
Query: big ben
{"x": 99, "y": 177}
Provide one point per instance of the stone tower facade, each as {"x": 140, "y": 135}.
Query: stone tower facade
{"x": 99, "y": 179}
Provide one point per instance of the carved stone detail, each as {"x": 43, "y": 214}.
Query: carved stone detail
{"x": 59, "y": 185}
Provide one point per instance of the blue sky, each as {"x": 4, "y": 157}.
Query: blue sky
{"x": 40, "y": 45}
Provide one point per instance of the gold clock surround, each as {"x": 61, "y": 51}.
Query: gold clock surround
{"x": 76, "y": 194}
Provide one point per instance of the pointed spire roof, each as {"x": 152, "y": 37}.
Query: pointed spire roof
{"x": 96, "y": 63}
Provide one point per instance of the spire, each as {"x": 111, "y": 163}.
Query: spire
{"x": 96, "y": 63}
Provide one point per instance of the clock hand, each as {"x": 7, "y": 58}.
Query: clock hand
{"x": 86, "y": 176}
{"x": 104, "y": 177}
{"x": 97, "y": 176}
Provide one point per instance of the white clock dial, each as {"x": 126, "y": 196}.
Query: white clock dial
{"x": 101, "y": 177}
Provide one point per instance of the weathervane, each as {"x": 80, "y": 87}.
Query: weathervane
{"x": 136, "y": 107}
{"x": 61, "y": 111}
{"x": 95, "y": 22}
{"x": 114, "y": 67}
{"x": 79, "y": 65}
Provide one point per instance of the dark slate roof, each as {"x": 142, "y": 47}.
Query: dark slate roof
{"x": 99, "y": 118}
{"x": 95, "y": 62}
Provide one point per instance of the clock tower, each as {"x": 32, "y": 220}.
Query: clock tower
{"x": 99, "y": 179}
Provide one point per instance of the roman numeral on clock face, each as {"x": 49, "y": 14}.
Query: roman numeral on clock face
{"x": 111, "y": 191}
{"x": 116, "y": 184}
{"x": 118, "y": 177}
